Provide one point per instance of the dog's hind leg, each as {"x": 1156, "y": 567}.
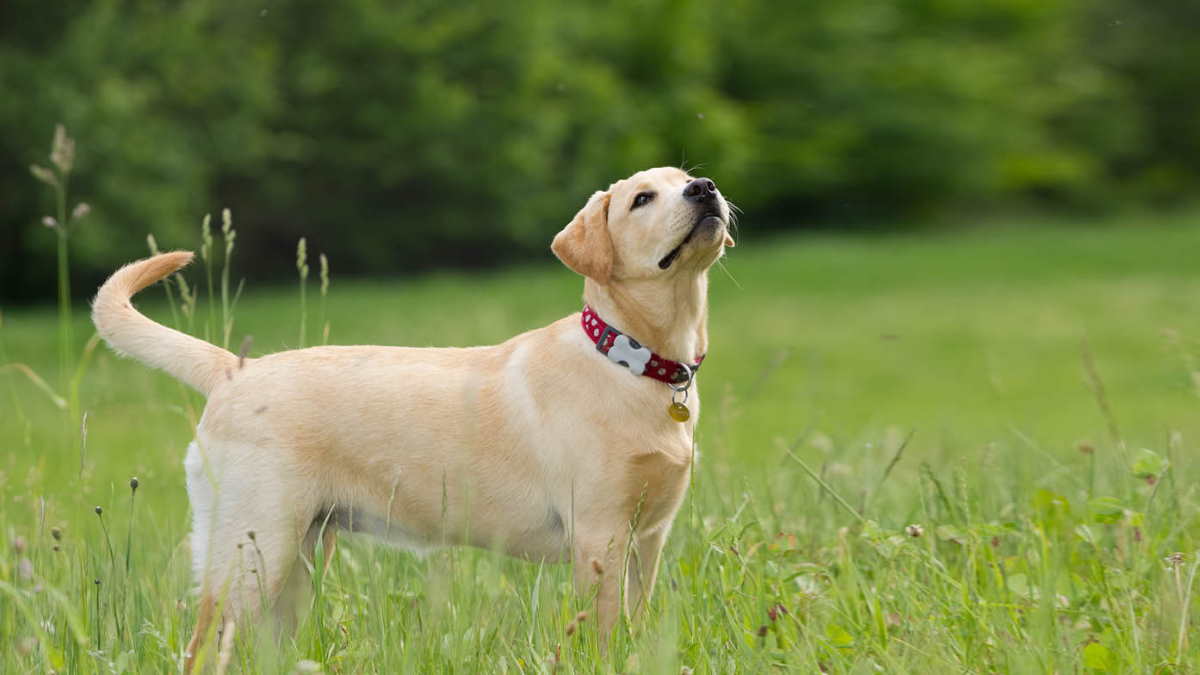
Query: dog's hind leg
{"x": 297, "y": 591}
{"x": 248, "y": 536}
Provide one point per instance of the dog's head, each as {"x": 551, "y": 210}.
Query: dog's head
{"x": 659, "y": 222}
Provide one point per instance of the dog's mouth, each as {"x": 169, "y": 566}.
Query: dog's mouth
{"x": 707, "y": 219}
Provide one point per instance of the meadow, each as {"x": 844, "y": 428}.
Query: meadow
{"x": 948, "y": 452}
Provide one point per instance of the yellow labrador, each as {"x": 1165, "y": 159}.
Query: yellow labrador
{"x": 568, "y": 442}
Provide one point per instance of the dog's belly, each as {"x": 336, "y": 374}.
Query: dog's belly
{"x": 545, "y": 541}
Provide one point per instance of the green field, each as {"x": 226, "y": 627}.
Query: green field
{"x": 1049, "y": 378}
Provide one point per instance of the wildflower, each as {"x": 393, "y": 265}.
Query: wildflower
{"x": 50, "y": 222}
{"x": 18, "y": 544}
{"x": 1087, "y": 448}
{"x": 1174, "y": 560}
{"x": 81, "y": 210}
{"x": 914, "y": 530}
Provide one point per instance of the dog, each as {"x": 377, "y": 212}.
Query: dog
{"x": 570, "y": 443}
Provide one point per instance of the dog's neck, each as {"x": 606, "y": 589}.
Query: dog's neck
{"x": 677, "y": 330}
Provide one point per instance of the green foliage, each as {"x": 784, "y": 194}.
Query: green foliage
{"x": 398, "y": 136}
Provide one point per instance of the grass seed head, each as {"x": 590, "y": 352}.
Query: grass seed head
{"x": 133, "y": 484}
{"x": 99, "y": 510}
{"x": 914, "y": 530}
{"x": 206, "y": 238}
{"x": 597, "y": 567}
{"x": 574, "y": 625}
{"x": 43, "y": 174}
{"x": 302, "y": 258}
{"x": 62, "y": 151}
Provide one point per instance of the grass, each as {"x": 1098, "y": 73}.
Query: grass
{"x": 955, "y": 453}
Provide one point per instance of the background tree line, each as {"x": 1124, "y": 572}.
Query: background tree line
{"x": 400, "y": 136}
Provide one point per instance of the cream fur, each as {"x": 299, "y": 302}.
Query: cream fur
{"x": 539, "y": 447}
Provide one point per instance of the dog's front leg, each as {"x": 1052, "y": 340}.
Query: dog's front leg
{"x": 599, "y": 561}
{"x": 642, "y": 570}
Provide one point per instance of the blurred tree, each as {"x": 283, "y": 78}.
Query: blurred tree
{"x": 399, "y": 136}
{"x": 1151, "y": 48}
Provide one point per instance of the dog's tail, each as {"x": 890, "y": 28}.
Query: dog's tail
{"x": 193, "y": 361}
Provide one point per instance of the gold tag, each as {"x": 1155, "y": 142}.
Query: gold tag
{"x": 678, "y": 412}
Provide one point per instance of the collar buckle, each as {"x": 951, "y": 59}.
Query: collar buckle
{"x": 600, "y": 341}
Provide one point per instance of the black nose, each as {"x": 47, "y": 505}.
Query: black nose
{"x": 700, "y": 190}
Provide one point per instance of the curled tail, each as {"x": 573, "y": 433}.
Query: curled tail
{"x": 193, "y": 361}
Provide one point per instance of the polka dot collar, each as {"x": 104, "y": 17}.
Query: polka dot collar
{"x": 625, "y": 351}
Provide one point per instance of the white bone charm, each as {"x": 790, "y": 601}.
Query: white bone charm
{"x": 630, "y": 354}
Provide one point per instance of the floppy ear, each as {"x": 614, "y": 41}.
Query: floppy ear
{"x": 584, "y": 244}
{"x": 729, "y": 243}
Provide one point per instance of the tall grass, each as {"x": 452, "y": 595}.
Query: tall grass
{"x": 324, "y": 298}
{"x": 1012, "y": 532}
{"x": 56, "y": 177}
{"x": 302, "y": 271}
{"x": 228, "y": 237}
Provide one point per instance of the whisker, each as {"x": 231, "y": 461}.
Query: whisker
{"x": 721, "y": 264}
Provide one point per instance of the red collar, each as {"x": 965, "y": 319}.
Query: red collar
{"x": 624, "y": 350}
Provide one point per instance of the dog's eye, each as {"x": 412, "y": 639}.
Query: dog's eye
{"x": 642, "y": 199}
